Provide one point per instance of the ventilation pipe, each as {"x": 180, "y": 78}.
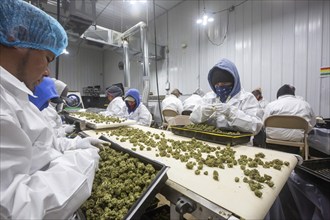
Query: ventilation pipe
{"x": 142, "y": 27}
{"x": 127, "y": 74}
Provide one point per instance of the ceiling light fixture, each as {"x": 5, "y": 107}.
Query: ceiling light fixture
{"x": 136, "y": 1}
{"x": 205, "y": 19}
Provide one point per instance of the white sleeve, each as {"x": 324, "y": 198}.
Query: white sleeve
{"x": 180, "y": 106}
{"x": 198, "y": 115}
{"x": 247, "y": 118}
{"x": 145, "y": 117}
{"x": 55, "y": 191}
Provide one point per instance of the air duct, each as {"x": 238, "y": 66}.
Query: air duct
{"x": 142, "y": 27}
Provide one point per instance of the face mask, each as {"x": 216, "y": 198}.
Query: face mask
{"x": 223, "y": 92}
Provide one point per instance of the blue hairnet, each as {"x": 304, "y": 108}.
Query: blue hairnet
{"x": 24, "y": 25}
{"x": 44, "y": 91}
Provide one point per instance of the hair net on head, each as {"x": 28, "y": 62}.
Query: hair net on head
{"x": 45, "y": 91}
{"x": 24, "y": 25}
{"x": 114, "y": 91}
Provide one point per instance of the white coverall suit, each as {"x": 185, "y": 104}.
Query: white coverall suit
{"x": 240, "y": 112}
{"x": 289, "y": 105}
{"x": 40, "y": 176}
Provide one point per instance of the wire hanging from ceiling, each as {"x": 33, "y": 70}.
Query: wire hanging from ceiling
{"x": 228, "y": 10}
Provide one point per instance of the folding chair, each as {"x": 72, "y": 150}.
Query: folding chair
{"x": 289, "y": 122}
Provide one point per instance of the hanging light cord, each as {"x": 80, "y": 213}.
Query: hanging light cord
{"x": 224, "y": 36}
{"x": 230, "y": 9}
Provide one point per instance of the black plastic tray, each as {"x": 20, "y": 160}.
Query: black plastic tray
{"x": 218, "y": 138}
{"x": 317, "y": 171}
{"x": 139, "y": 207}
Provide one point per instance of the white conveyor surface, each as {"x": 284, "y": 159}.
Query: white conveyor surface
{"x": 103, "y": 125}
{"x": 235, "y": 197}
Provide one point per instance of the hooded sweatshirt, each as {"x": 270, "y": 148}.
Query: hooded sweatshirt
{"x": 139, "y": 113}
{"x": 243, "y": 112}
{"x": 228, "y": 66}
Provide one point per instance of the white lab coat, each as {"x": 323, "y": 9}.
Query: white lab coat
{"x": 115, "y": 108}
{"x": 55, "y": 121}
{"x": 289, "y": 105}
{"x": 244, "y": 113}
{"x": 39, "y": 179}
{"x": 141, "y": 115}
{"x": 192, "y": 101}
{"x": 172, "y": 102}
{"x": 263, "y": 103}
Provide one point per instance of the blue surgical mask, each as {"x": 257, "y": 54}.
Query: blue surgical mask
{"x": 223, "y": 92}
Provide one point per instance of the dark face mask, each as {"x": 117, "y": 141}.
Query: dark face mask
{"x": 223, "y": 92}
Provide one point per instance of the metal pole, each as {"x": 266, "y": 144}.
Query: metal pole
{"x": 127, "y": 74}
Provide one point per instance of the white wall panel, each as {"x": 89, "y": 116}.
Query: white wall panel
{"x": 288, "y": 42}
{"x": 314, "y": 55}
{"x": 266, "y": 39}
{"x": 183, "y": 60}
{"x": 325, "y": 82}
{"x": 247, "y": 42}
{"x": 301, "y": 43}
{"x": 231, "y": 38}
{"x": 276, "y": 46}
{"x": 239, "y": 44}
{"x": 256, "y": 46}
{"x": 112, "y": 73}
{"x": 81, "y": 68}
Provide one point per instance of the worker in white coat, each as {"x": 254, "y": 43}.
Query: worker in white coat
{"x": 228, "y": 105}
{"x": 288, "y": 104}
{"x": 135, "y": 109}
{"x": 173, "y": 102}
{"x": 45, "y": 96}
{"x": 116, "y": 105}
{"x": 258, "y": 94}
{"x": 192, "y": 101}
{"x": 42, "y": 176}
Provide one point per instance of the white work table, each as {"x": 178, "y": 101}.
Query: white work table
{"x": 216, "y": 199}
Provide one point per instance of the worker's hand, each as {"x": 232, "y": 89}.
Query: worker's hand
{"x": 69, "y": 129}
{"x": 90, "y": 142}
{"x": 208, "y": 110}
{"x": 222, "y": 109}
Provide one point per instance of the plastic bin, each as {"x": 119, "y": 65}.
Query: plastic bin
{"x": 225, "y": 139}
{"x": 317, "y": 172}
{"x": 144, "y": 201}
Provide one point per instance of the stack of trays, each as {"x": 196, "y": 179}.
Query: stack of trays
{"x": 226, "y": 137}
{"x": 144, "y": 200}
